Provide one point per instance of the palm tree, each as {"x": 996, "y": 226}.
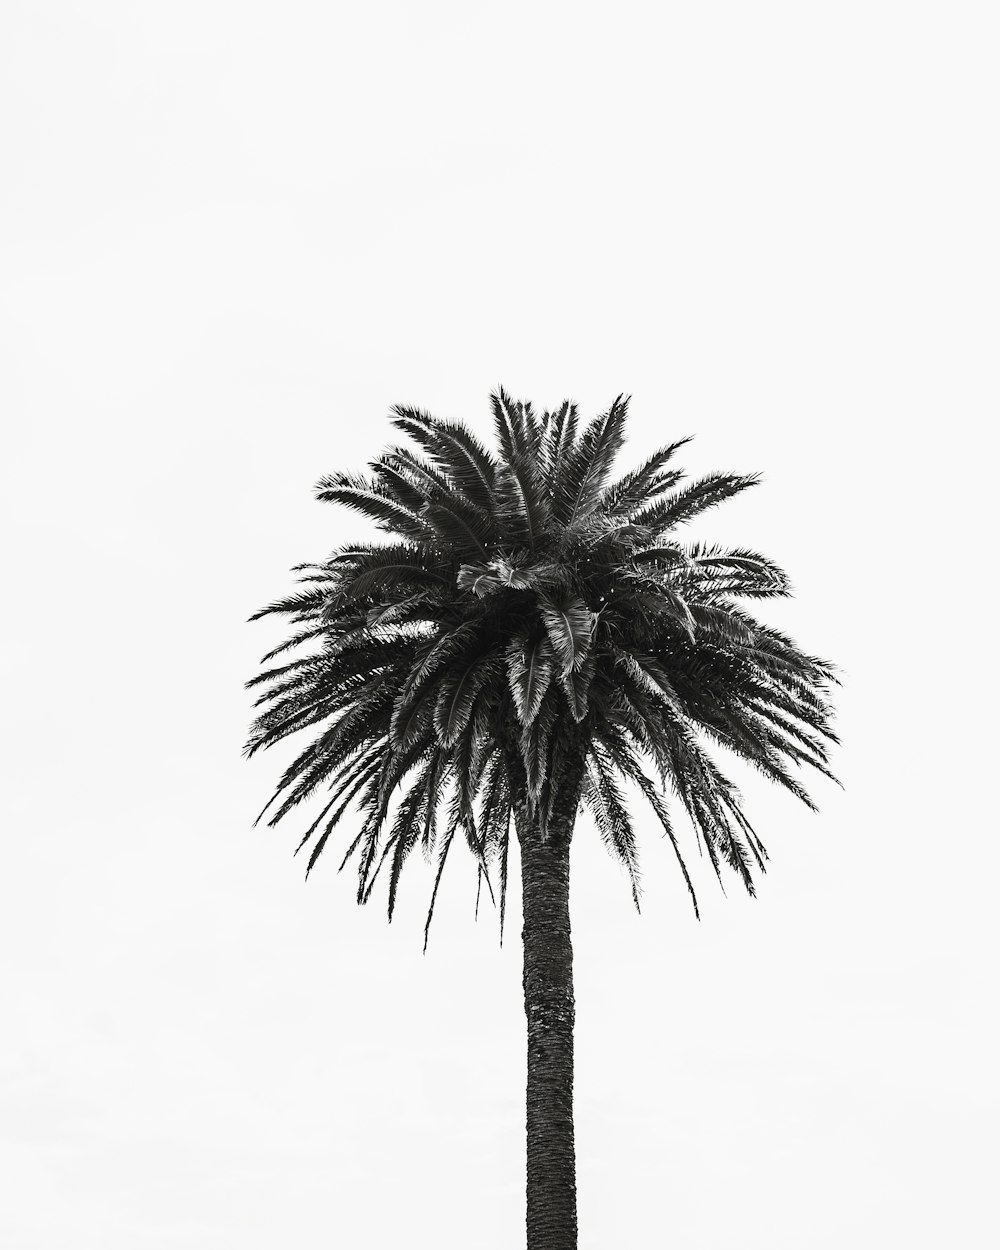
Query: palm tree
{"x": 530, "y": 638}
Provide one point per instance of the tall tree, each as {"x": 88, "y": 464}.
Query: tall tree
{"x": 532, "y": 638}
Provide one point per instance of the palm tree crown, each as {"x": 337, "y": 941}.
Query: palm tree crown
{"x": 525, "y": 611}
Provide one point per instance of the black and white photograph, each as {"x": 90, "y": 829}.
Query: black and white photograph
{"x": 498, "y": 740}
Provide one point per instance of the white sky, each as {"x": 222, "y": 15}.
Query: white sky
{"x": 232, "y": 236}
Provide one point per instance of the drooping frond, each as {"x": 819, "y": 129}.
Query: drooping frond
{"x": 530, "y": 668}
{"x": 607, "y": 804}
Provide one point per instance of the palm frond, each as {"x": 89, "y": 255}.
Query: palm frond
{"x": 691, "y": 501}
{"x": 584, "y": 471}
{"x": 570, "y": 626}
{"x": 530, "y": 669}
{"x": 607, "y": 803}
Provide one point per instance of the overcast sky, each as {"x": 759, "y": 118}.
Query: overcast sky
{"x": 232, "y": 236}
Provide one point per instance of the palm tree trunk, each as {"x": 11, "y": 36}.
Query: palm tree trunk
{"x": 550, "y": 1011}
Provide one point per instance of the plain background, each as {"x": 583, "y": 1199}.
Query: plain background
{"x": 233, "y": 235}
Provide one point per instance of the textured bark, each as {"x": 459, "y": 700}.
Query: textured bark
{"x": 550, "y": 1011}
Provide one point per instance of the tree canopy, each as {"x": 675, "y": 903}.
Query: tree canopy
{"x": 525, "y": 608}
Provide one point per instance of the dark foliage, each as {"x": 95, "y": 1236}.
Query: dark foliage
{"x": 524, "y": 603}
